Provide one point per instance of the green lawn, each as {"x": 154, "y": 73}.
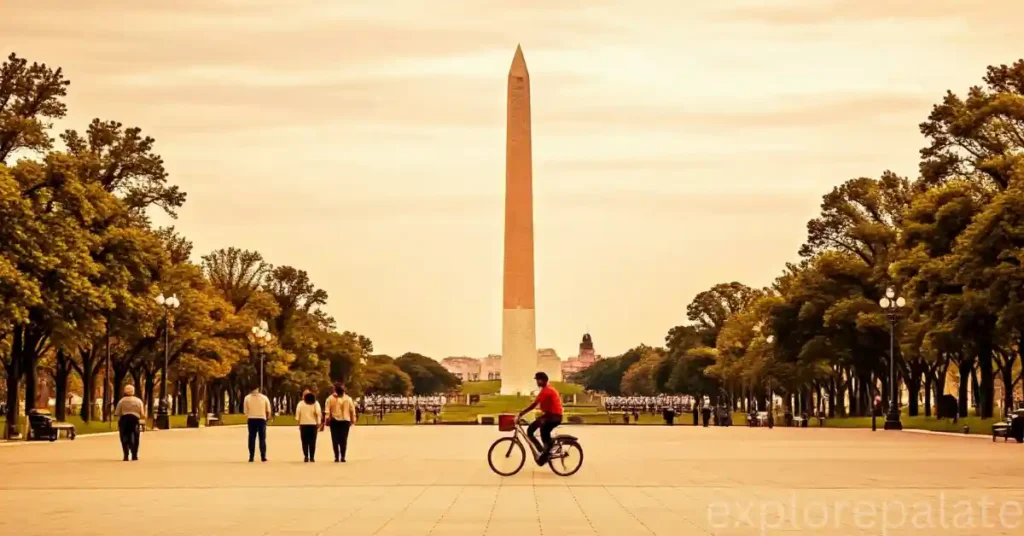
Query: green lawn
{"x": 976, "y": 425}
{"x": 98, "y": 426}
{"x": 492, "y": 387}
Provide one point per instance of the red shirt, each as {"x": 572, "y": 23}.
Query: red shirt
{"x": 549, "y": 401}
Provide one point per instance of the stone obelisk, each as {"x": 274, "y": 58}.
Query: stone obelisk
{"x": 519, "y": 332}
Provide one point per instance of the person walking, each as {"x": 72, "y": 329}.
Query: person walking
{"x": 129, "y": 412}
{"x": 257, "y": 412}
{"x": 310, "y": 419}
{"x": 340, "y": 414}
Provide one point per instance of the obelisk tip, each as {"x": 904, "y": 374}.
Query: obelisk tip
{"x": 518, "y": 62}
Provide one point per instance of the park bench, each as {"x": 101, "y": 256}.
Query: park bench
{"x": 213, "y": 419}
{"x": 42, "y": 427}
{"x": 1013, "y": 427}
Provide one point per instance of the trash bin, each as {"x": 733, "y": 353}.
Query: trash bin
{"x": 192, "y": 421}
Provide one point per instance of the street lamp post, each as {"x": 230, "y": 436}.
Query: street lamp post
{"x": 163, "y": 419}
{"x": 771, "y": 395}
{"x": 891, "y": 304}
{"x": 261, "y": 337}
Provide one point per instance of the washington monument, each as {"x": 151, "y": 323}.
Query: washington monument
{"x": 519, "y": 325}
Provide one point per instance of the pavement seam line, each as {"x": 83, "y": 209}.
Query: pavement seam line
{"x": 582, "y": 511}
{"x": 627, "y": 510}
{"x": 446, "y": 510}
{"x": 404, "y": 508}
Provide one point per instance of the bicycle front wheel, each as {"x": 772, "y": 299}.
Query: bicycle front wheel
{"x": 506, "y": 456}
{"x": 566, "y": 458}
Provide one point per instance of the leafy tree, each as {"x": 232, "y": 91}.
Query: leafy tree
{"x": 428, "y": 376}
{"x": 236, "y": 273}
{"x": 606, "y": 375}
{"x": 711, "y": 308}
{"x": 30, "y": 97}
{"x": 641, "y": 377}
{"x": 123, "y": 163}
{"x": 386, "y": 378}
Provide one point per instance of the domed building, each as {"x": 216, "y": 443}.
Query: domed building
{"x": 586, "y": 357}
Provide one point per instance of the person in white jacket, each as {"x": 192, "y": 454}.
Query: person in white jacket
{"x": 310, "y": 418}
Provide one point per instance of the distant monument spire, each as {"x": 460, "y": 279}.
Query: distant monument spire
{"x": 519, "y": 326}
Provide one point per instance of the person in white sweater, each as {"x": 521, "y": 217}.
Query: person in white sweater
{"x": 310, "y": 418}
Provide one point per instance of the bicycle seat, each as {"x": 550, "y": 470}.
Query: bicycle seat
{"x": 566, "y": 437}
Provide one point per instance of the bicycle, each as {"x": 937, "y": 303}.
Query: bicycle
{"x": 565, "y": 456}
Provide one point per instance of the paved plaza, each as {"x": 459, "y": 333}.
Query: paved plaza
{"x": 435, "y": 480}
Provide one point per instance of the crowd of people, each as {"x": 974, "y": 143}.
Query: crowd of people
{"x": 649, "y": 404}
{"x": 390, "y": 403}
{"x": 338, "y": 414}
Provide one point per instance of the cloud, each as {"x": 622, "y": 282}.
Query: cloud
{"x": 815, "y": 12}
{"x": 811, "y": 111}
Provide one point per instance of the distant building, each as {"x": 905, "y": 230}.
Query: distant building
{"x": 549, "y": 362}
{"x": 473, "y": 369}
{"x": 586, "y": 357}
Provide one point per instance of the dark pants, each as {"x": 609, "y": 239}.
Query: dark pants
{"x": 308, "y": 434}
{"x": 339, "y": 438}
{"x": 128, "y": 429}
{"x": 257, "y": 427}
{"x": 546, "y": 423}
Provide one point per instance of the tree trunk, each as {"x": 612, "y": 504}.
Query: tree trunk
{"x": 832, "y": 399}
{"x": 1007, "y": 378}
{"x": 928, "y": 394}
{"x": 119, "y": 375}
{"x": 987, "y": 391}
{"x": 965, "y": 379}
{"x": 13, "y": 377}
{"x": 194, "y": 385}
{"x": 913, "y": 391}
{"x": 150, "y": 381}
{"x": 88, "y": 385}
{"x": 60, "y": 378}
{"x": 974, "y": 388}
{"x": 31, "y": 380}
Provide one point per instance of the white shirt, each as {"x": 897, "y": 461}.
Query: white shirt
{"x": 257, "y": 406}
{"x": 308, "y": 413}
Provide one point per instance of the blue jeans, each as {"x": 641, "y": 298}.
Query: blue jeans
{"x": 258, "y": 427}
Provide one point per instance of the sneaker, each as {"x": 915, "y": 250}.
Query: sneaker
{"x": 125, "y": 459}
{"x": 264, "y": 460}
{"x": 305, "y": 459}
{"x": 250, "y": 460}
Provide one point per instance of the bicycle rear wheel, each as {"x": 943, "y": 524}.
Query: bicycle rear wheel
{"x": 506, "y": 456}
{"x": 566, "y": 458}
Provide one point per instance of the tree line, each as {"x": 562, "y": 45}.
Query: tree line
{"x": 950, "y": 241}
{"x": 81, "y": 265}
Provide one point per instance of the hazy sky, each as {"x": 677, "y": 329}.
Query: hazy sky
{"x": 677, "y": 144}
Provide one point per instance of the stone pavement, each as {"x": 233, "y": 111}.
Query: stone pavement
{"x": 435, "y": 480}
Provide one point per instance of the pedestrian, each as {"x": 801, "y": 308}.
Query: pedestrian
{"x": 129, "y": 412}
{"x": 310, "y": 419}
{"x": 257, "y": 411}
{"x": 340, "y": 413}
{"x": 419, "y": 415}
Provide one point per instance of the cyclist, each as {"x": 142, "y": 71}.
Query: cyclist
{"x": 551, "y": 416}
